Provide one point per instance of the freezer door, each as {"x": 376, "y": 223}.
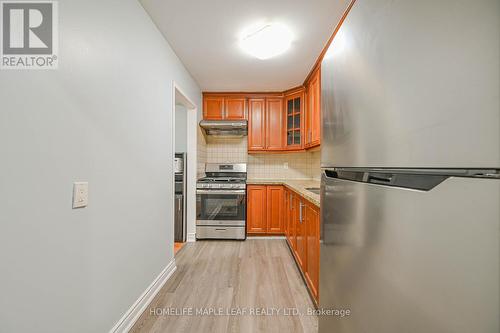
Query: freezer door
{"x": 405, "y": 260}
{"x": 413, "y": 84}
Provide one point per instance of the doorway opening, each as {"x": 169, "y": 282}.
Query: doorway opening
{"x": 184, "y": 138}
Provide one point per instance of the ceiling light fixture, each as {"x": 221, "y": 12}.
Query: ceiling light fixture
{"x": 266, "y": 41}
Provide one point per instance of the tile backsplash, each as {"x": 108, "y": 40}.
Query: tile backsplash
{"x": 300, "y": 165}
{"x": 202, "y": 154}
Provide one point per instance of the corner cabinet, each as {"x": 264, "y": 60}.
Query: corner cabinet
{"x": 256, "y": 124}
{"x": 274, "y": 124}
{"x": 265, "y": 124}
{"x": 224, "y": 107}
{"x": 294, "y": 113}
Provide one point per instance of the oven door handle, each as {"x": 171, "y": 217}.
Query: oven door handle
{"x": 220, "y": 192}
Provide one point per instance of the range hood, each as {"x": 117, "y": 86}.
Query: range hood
{"x": 234, "y": 128}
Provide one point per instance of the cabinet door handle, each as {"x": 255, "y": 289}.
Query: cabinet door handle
{"x": 300, "y": 212}
{"x": 291, "y": 201}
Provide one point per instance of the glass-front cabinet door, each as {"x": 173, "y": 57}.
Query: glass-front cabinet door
{"x": 294, "y": 119}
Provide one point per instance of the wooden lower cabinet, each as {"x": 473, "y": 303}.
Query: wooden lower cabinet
{"x": 312, "y": 241}
{"x": 265, "y": 213}
{"x": 290, "y": 214}
{"x": 275, "y": 210}
{"x": 302, "y": 234}
{"x": 256, "y": 209}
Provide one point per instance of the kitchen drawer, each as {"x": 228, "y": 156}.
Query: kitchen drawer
{"x": 220, "y": 232}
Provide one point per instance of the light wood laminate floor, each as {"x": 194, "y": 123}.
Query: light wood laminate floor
{"x": 178, "y": 246}
{"x": 233, "y": 276}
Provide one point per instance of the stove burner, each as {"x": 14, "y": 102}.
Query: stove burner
{"x": 225, "y": 177}
{"x": 221, "y": 180}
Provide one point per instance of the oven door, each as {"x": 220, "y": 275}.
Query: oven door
{"x": 221, "y": 207}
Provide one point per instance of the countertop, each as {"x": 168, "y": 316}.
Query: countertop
{"x": 298, "y": 186}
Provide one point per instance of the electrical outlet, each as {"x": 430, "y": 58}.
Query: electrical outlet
{"x": 285, "y": 165}
{"x": 80, "y": 194}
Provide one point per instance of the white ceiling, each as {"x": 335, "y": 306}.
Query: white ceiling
{"x": 204, "y": 34}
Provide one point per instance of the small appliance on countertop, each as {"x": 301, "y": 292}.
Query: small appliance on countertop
{"x": 221, "y": 202}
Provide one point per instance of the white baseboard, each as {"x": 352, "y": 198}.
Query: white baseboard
{"x": 191, "y": 237}
{"x": 130, "y": 317}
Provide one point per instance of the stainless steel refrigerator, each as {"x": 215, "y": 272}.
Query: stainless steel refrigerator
{"x": 410, "y": 192}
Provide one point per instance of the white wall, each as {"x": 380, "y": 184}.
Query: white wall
{"x": 102, "y": 117}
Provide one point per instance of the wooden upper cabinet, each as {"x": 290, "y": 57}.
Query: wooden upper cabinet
{"x": 217, "y": 107}
{"x": 235, "y": 108}
{"x": 275, "y": 210}
{"x": 313, "y": 107}
{"x": 213, "y": 107}
{"x": 287, "y": 121}
{"x": 256, "y": 209}
{"x": 274, "y": 126}
{"x": 294, "y": 122}
{"x": 256, "y": 124}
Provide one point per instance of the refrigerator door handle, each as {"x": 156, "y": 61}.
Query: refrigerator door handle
{"x": 400, "y": 179}
{"x": 379, "y": 179}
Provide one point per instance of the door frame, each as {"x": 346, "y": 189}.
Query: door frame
{"x": 180, "y": 97}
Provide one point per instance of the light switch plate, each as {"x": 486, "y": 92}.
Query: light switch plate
{"x": 285, "y": 165}
{"x": 80, "y": 194}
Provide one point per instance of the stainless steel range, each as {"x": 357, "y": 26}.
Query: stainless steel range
{"x": 221, "y": 202}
